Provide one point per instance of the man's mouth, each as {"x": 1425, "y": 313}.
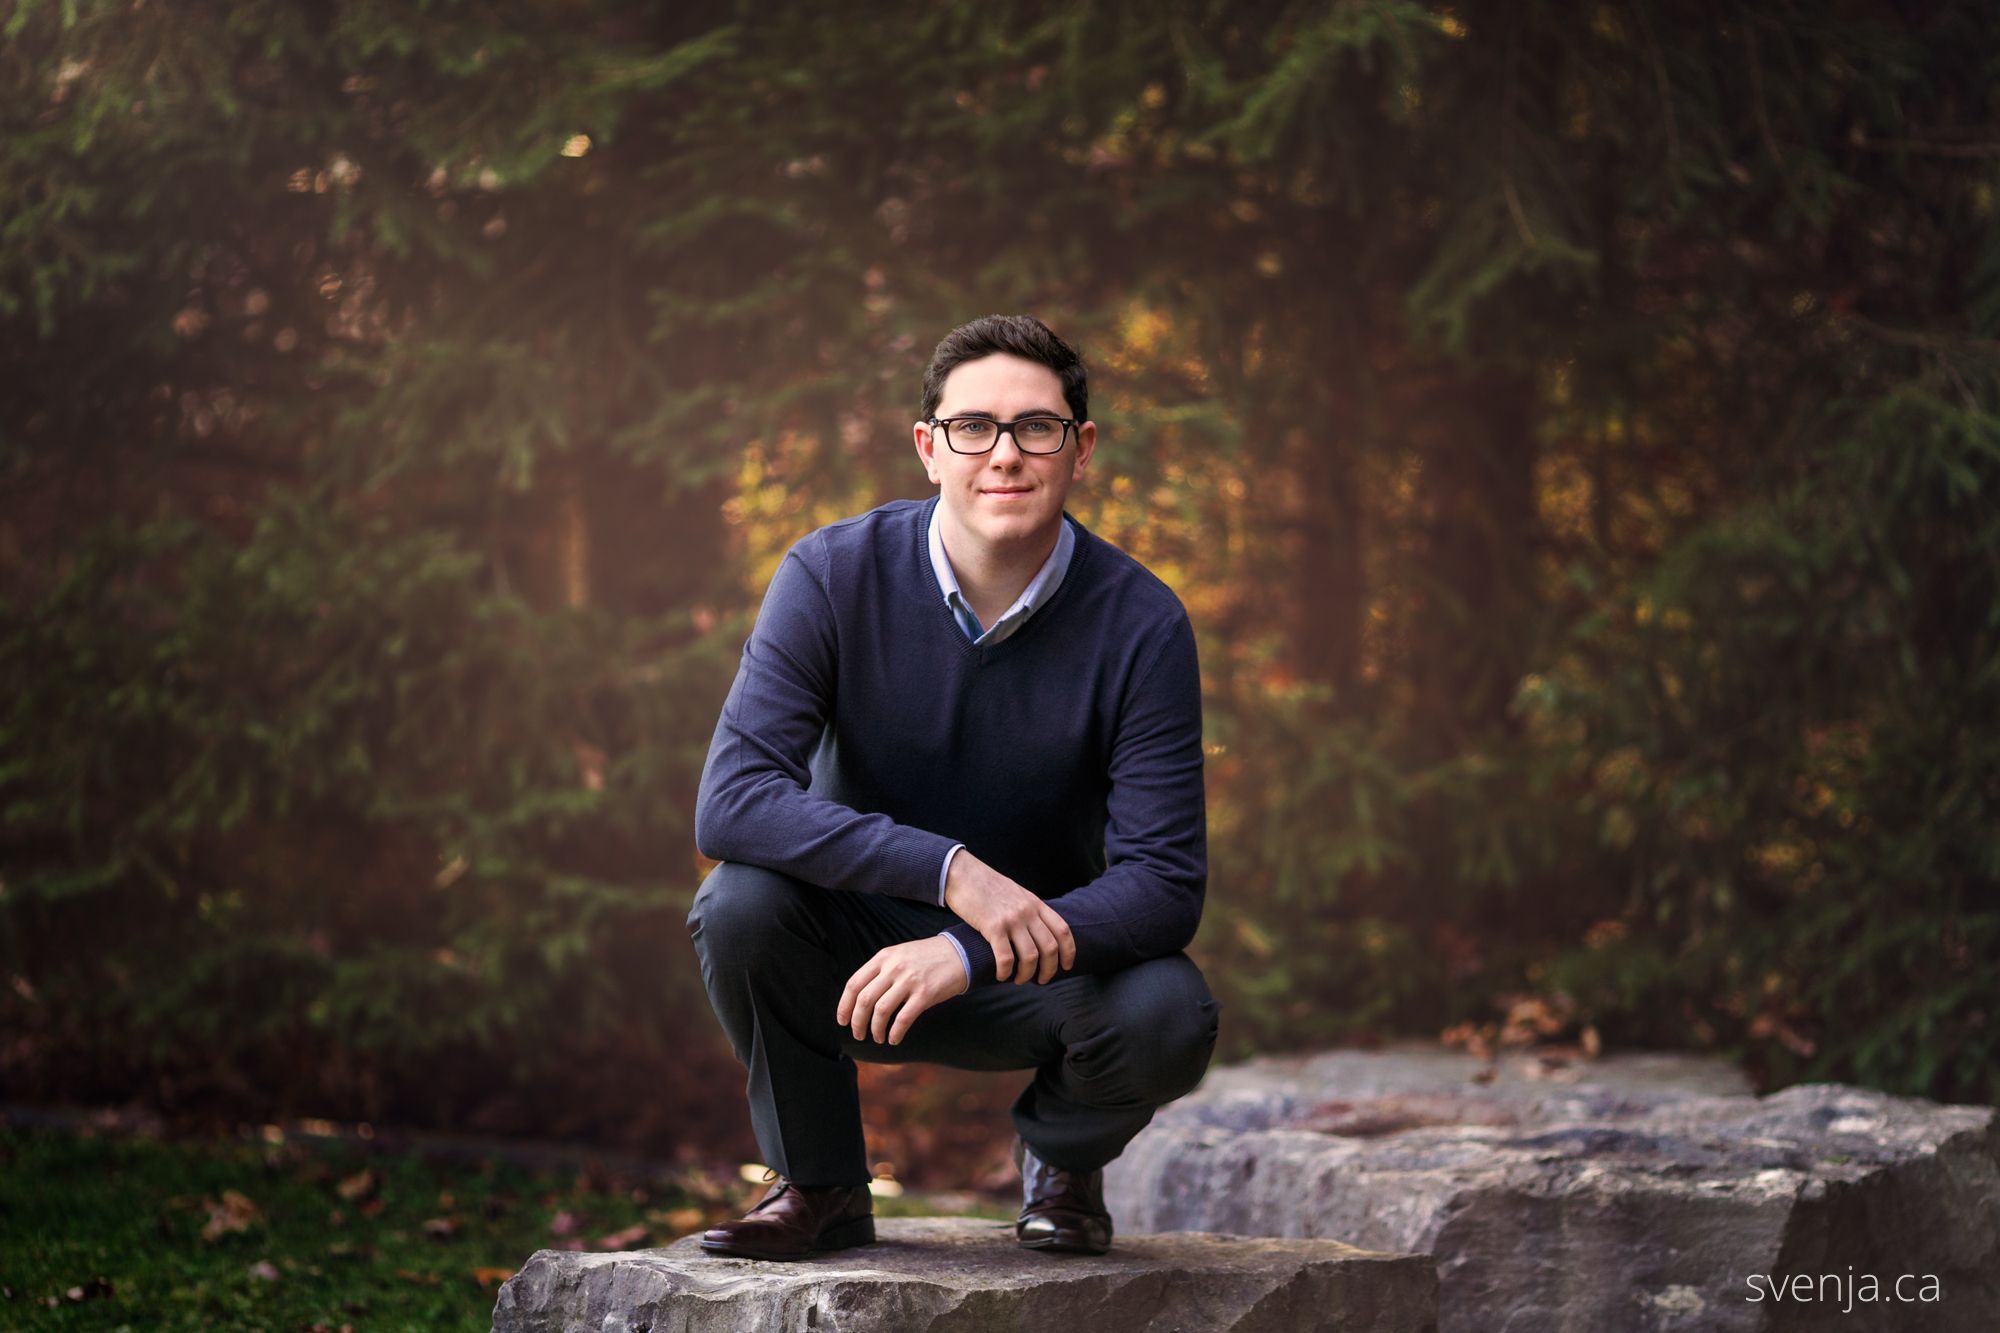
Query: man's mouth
{"x": 1006, "y": 490}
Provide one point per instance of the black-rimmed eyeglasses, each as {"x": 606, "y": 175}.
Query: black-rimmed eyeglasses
{"x": 978, "y": 435}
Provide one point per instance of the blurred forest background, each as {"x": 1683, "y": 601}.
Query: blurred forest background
{"x": 1574, "y": 429}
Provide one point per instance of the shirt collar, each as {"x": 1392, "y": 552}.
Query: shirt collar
{"x": 1040, "y": 588}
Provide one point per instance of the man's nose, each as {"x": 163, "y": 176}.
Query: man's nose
{"x": 1014, "y": 445}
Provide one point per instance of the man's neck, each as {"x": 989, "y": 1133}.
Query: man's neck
{"x": 992, "y": 576}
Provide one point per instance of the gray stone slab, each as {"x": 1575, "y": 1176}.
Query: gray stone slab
{"x": 1632, "y": 1193}
{"x": 962, "y": 1275}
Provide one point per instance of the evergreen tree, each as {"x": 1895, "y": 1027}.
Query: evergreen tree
{"x": 1568, "y": 425}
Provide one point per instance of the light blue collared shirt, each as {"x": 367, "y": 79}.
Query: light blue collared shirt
{"x": 1040, "y": 588}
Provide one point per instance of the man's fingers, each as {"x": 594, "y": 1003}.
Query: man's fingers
{"x": 1026, "y": 952}
{"x": 852, "y": 991}
{"x": 889, "y": 992}
{"x": 1045, "y": 947}
{"x": 912, "y": 1009}
{"x": 856, "y": 1023}
{"x": 885, "y": 1012}
{"x": 865, "y": 1006}
{"x": 1003, "y": 955}
{"x": 1061, "y": 931}
{"x": 1065, "y": 941}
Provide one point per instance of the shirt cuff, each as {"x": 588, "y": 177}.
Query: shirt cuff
{"x": 944, "y": 873}
{"x": 964, "y": 962}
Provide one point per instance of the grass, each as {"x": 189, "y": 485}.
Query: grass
{"x": 102, "y": 1233}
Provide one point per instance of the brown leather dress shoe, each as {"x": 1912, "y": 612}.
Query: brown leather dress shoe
{"x": 1062, "y": 1211}
{"x": 797, "y": 1222}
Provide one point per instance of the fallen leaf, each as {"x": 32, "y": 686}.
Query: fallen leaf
{"x": 421, "y": 1279}
{"x": 564, "y": 1224}
{"x": 628, "y": 1239}
{"x": 265, "y": 1270}
{"x": 234, "y": 1212}
{"x": 491, "y": 1277}
{"x": 357, "y": 1186}
{"x": 441, "y": 1228}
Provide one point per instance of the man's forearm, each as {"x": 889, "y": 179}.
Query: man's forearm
{"x": 755, "y": 805}
{"x": 1117, "y": 921}
{"x": 721, "y": 834}
{"x": 769, "y": 820}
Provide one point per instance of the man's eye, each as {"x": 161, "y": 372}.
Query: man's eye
{"x": 1038, "y": 426}
{"x": 972, "y": 428}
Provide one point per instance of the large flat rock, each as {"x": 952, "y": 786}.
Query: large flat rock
{"x": 1633, "y": 1193}
{"x": 968, "y": 1276}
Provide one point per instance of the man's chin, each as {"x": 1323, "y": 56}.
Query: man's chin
{"x": 1004, "y": 529}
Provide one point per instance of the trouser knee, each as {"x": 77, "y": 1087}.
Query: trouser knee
{"x": 739, "y": 907}
{"x": 1175, "y": 1054}
{"x": 1159, "y": 1032}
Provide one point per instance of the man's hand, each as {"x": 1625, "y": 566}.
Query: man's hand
{"x": 1022, "y": 928}
{"x": 898, "y": 984}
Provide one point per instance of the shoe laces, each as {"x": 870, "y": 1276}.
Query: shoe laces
{"x": 770, "y": 1175}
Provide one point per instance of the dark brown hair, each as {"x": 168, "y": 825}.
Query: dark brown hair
{"x": 1017, "y": 335}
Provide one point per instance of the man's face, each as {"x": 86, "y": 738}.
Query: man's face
{"x": 1003, "y": 497}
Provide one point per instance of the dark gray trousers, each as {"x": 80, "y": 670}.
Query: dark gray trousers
{"x": 1107, "y": 1050}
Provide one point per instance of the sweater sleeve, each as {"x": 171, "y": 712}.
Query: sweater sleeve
{"x": 1148, "y": 901}
{"x": 755, "y": 804}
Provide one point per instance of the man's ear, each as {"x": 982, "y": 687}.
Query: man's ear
{"x": 926, "y": 442}
{"x": 1086, "y": 442}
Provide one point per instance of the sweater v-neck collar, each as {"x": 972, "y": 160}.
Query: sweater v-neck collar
{"x": 942, "y": 611}
{"x": 1047, "y": 581}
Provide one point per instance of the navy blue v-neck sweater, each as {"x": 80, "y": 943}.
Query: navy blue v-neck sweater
{"x": 865, "y": 735}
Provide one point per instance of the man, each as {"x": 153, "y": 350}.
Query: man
{"x": 963, "y": 749}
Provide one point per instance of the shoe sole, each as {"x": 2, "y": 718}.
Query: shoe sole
{"x": 845, "y": 1236}
{"x": 1056, "y": 1245}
